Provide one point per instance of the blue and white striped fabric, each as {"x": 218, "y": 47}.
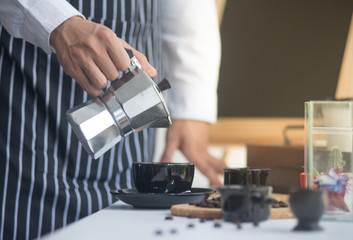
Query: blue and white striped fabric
{"x": 47, "y": 180}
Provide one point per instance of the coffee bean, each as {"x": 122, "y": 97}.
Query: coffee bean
{"x": 173, "y": 231}
{"x": 275, "y": 205}
{"x": 203, "y": 204}
{"x": 169, "y": 217}
{"x": 238, "y": 223}
{"x": 158, "y": 232}
{"x": 256, "y": 224}
{"x": 217, "y": 225}
{"x": 190, "y": 225}
{"x": 217, "y": 203}
{"x": 210, "y": 203}
{"x": 202, "y": 220}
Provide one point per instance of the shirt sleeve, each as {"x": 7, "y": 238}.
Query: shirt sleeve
{"x": 34, "y": 20}
{"x": 191, "y": 48}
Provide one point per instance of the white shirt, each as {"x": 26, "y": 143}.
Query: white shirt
{"x": 190, "y": 35}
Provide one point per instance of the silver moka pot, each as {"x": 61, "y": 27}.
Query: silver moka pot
{"x": 132, "y": 103}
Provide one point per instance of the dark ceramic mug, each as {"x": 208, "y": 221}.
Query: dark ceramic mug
{"x": 246, "y": 176}
{"x": 246, "y": 203}
{"x": 160, "y": 177}
{"x": 308, "y": 206}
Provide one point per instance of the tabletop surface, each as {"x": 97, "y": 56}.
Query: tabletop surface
{"x": 122, "y": 221}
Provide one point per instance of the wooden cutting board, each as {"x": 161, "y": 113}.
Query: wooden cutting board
{"x": 186, "y": 210}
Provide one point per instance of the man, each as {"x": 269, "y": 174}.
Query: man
{"x": 47, "y": 180}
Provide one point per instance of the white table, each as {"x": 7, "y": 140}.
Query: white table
{"x": 121, "y": 221}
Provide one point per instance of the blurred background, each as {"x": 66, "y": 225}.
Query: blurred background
{"x": 276, "y": 54}
{"x": 279, "y": 53}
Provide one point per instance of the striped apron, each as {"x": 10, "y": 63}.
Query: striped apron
{"x": 47, "y": 180}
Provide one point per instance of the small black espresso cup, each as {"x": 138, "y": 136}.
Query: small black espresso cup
{"x": 160, "y": 177}
{"x": 246, "y": 176}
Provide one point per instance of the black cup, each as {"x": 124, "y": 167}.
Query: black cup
{"x": 246, "y": 176}
{"x": 308, "y": 206}
{"x": 163, "y": 177}
{"x": 246, "y": 203}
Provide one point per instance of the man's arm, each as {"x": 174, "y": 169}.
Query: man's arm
{"x": 192, "y": 49}
{"x": 34, "y": 20}
{"x": 90, "y": 53}
{"x": 191, "y": 41}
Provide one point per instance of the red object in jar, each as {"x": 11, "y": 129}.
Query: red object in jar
{"x": 303, "y": 182}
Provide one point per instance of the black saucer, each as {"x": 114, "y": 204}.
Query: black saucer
{"x": 160, "y": 200}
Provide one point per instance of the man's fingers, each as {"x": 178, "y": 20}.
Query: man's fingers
{"x": 169, "y": 150}
{"x": 167, "y": 156}
{"x": 146, "y": 66}
{"x": 205, "y": 163}
{"x": 209, "y": 172}
{"x": 86, "y": 84}
{"x": 217, "y": 164}
{"x": 95, "y": 75}
{"x": 118, "y": 55}
{"x": 107, "y": 67}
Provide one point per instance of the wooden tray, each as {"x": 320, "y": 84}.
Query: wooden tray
{"x": 186, "y": 210}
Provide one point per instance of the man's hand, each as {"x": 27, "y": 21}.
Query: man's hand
{"x": 191, "y": 138}
{"x": 92, "y": 54}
